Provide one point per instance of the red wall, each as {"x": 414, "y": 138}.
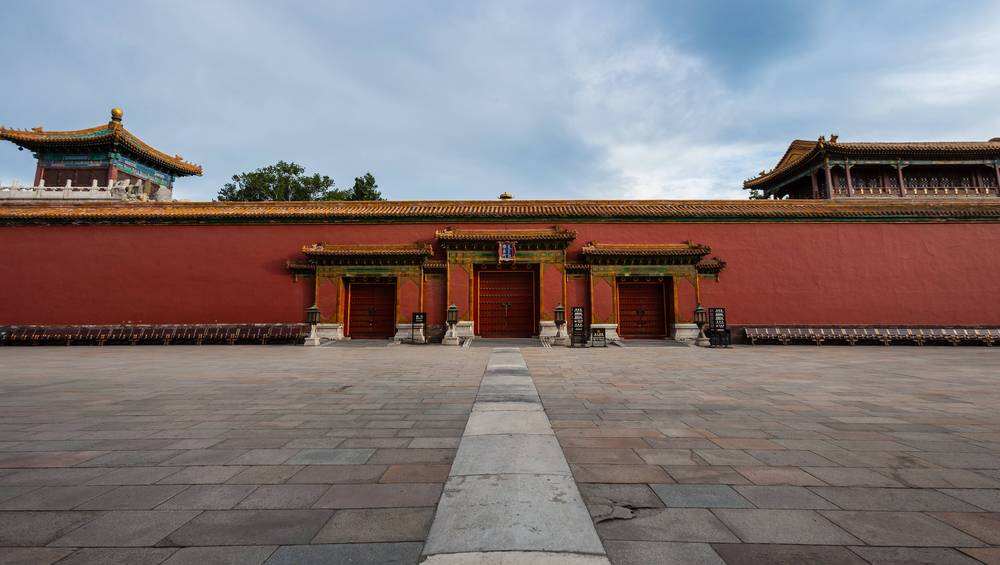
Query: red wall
{"x": 789, "y": 273}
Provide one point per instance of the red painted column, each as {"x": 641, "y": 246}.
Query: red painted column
{"x": 829, "y": 178}
{"x": 328, "y": 291}
{"x": 847, "y": 172}
{"x": 996, "y": 171}
{"x": 815, "y": 185}
{"x": 902, "y": 180}
{"x": 551, "y": 289}
{"x": 39, "y": 172}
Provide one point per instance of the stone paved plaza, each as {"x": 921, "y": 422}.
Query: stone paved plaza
{"x": 290, "y": 455}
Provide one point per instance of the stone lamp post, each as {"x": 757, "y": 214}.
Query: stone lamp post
{"x": 450, "y": 337}
{"x": 561, "y": 338}
{"x": 701, "y": 320}
{"x": 312, "y": 318}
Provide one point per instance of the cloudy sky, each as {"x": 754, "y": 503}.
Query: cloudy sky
{"x": 466, "y": 99}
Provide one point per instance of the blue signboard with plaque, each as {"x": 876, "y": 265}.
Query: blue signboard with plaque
{"x": 507, "y": 251}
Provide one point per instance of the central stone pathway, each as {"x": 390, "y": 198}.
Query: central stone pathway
{"x": 510, "y": 497}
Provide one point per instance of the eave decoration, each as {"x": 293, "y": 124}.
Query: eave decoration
{"x": 111, "y": 137}
{"x": 689, "y": 258}
{"x": 490, "y": 240}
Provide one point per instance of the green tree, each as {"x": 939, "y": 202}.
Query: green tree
{"x": 365, "y": 188}
{"x": 280, "y": 182}
{"x": 757, "y": 194}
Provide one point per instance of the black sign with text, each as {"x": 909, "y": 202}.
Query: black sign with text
{"x": 577, "y": 325}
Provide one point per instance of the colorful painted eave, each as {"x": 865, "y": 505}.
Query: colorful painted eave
{"x": 492, "y": 211}
{"x": 646, "y": 250}
{"x": 801, "y": 152}
{"x": 112, "y": 133}
{"x": 350, "y": 250}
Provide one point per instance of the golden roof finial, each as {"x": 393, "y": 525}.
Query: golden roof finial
{"x": 116, "y": 114}
{"x": 506, "y": 196}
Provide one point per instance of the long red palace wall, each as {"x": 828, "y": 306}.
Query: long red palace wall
{"x": 777, "y": 273}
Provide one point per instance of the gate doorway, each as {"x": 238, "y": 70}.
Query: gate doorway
{"x": 642, "y": 308}
{"x": 371, "y": 310}
{"x": 506, "y": 304}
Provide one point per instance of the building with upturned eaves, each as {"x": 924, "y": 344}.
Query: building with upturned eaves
{"x": 930, "y": 169}
{"x": 105, "y": 162}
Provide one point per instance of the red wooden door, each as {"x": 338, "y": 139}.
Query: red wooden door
{"x": 641, "y": 312}
{"x": 506, "y": 304}
{"x": 372, "y": 311}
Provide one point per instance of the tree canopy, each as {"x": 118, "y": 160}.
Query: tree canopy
{"x": 287, "y": 181}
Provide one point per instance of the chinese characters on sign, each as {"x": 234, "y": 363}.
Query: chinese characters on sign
{"x": 507, "y": 251}
{"x": 576, "y": 320}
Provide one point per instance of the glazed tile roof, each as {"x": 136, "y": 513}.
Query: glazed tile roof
{"x": 493, "y": 211}
{"x": 802, "y": 151}
{"x": 112, "y": 133}
{"x": 553, "y": 234}
{"x": 394, "y": 250}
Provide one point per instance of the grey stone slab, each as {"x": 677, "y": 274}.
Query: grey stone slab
{"x": 228, "y": 555}
{"x": 700, "y": 496}
{"x": 783, "y": 527}
{"x": 52, "y": 477}
{"x": 39, "y": 528}
{"x": 202, "y": 475}
{"x": 54, "y": 498}
{"x": 6, "y": 493}
{"x": 264, "y": 457}
{"x": 667, "y": 456}
{"x": 394, "y": 495}
{"x": 512, "y": 513}
{"x": 348, "y": 554}
{"x": 784, "y": 498}
{"x": 283, "y": 496}
{"x": 668, "y": 524}
{"x": 507, "y": 422}
{"x": 505, "y": 454}
{"x": 792, "y": 457}
{"x": 132, "y": 497}
{"x": 264, "y": 475}
{"x": 494, "y": 406}
{"x": 126, "y": 528}
{"x": 251, "y": 527}
{"x": 852, "y": 477}
{"x": 119, "y": 556}
{"x": 134, "y": 476}
{"x": 861, "y": 498}
{"x": 987, "y": 499}
{"x": 913, "y": 556}
{"x": 31, "y": 555}
{"x": 777, "y": 554}
{"x": 331, "y": 457}
{"x": 377, "y": 525}
{"x": 208, "y": 497}
{"x": 204, "y": 457}
{"x": 726, "y": 457}
{"x": 943, "y": 478}
{"x": 620, "y": 495}
{"x": 132, "y": 458}
{"x": 900, "y": 529}
{"x": 661, "y": 553}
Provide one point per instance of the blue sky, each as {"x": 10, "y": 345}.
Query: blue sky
{"x": 452, "y": 100}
